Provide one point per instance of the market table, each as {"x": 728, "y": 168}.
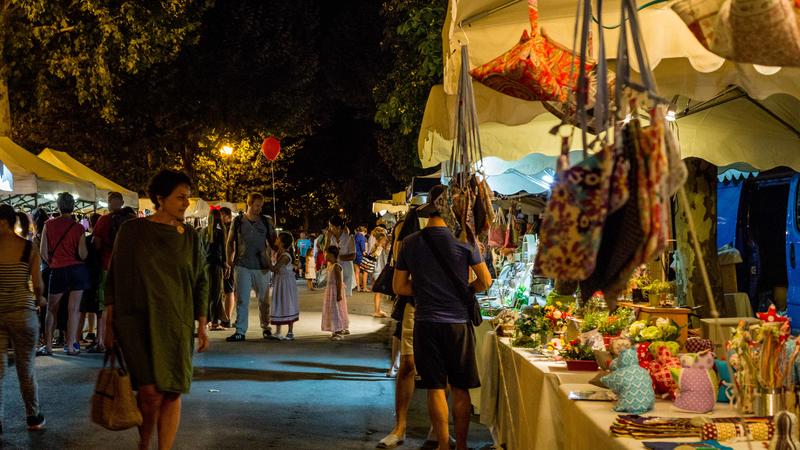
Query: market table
{"x": 519, "y": 397}
{"x": 586, "y": 424}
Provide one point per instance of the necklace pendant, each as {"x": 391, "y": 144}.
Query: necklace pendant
{"x": 180, "y": 229}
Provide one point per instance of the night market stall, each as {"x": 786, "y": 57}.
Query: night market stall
{"x": 610, "y": 240}
{"x": 30, "y": 182}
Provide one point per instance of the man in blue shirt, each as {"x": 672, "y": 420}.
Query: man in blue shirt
{"x": 303, "y": 245}
{"x": 444, "y": 340}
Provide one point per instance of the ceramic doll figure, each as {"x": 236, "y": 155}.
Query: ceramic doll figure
{"x": 631, "y": 383}
{"x": 697, "y": 382}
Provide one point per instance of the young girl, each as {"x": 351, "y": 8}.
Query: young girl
{"x": 311, "y": 269}
{"x": 334, "y": 308}
{"x": 285, "y": 306}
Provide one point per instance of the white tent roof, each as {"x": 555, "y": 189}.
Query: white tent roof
{"x": 197, "y": 207}
{"x": 67, "y": 163}
{"x": 699, "y": 72}
{"x": 32, "y": 175}
{"x": 738, "y": 131}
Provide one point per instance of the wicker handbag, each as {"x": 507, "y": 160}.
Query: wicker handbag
{"x": 113, "y": 403}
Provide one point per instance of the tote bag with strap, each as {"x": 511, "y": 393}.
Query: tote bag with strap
{"x": 113, "y": 403}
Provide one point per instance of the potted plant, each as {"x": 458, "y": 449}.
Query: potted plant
{"x": 639, "y": 280}
{"x": 579, "y": 356}
{"x": 614, "y": 324}
{"x": 531, "y": 329}
{"x": 657, "y": 291}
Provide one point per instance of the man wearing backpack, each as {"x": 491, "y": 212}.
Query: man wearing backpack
{"x": 249, "y": 256}
{"x": 103, "y": 237}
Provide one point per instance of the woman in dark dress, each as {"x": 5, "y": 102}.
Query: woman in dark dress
{"x": 157, "y": 288}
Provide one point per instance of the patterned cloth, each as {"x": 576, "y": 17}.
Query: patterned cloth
{"x": 536, "y": 69}
{"x": 631, "y": 383}
{"x": 660, "y": 372}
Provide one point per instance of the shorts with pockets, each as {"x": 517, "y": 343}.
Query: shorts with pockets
{"x": 444, "y": 353}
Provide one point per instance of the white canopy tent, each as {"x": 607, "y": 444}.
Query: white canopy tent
{"x": 32, "y": 176}
{"x": 747, "y": 129}
{"x": 103, "y": 185}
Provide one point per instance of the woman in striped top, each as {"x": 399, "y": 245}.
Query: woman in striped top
{"x": 20, "y": 287}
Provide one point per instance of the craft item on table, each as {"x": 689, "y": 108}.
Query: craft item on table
{"x": 737, "y": 432}
{"x": 785, "y": 437}
{"x": 762, "y": 365}
{"x": 537, "y": 68}
{"x": 709, "y": 444}
{"x": 725, "y": 390}
{"x": 595, "y": 396}
{"x": 697, "y": 382}
{"x": 497, "y": 230}
{"x": 631, "y": 383}
{"x": 619, "y": 345}
{"x": 663, "y": 382}
{"x": 644, "y": 355}
{"x": 654, "y": 427}
{"x": 697, "y": 345}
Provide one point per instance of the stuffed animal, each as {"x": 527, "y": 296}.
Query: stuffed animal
{"x": 697, "y": 382}
{"x": 659, "y": 369}
{"x": 631, "y": 383}
{"x": 696, "y": 344}
{"x": 619, "y": 345}
{"x": 643, "y": 352}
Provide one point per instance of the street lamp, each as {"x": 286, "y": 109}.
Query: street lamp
{"x": 226, "y": 152}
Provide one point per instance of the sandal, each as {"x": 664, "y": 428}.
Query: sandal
{"x": 75, "y": 350}
{"x": 42, "y": 351}
{"x": 96, "y": 349}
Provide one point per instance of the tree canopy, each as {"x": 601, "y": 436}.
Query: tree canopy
{"x": 320, "y": 76}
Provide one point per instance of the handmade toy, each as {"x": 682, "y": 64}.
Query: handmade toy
{"x": 696, "y": 345}
{"x": 631, "y": 383}
{"x": 659, "y": 369}
{"x": 697, "y": 382}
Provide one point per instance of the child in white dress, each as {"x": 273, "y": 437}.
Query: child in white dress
{"x": 334, "y": 308}
{"x": 311, "y": 269}
{"x": 285, "y": 304}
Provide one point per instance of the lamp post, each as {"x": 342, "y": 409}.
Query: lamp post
{"x": 227, "y": 151}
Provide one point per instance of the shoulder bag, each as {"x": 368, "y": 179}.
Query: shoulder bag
{"x": 466, "y": 293}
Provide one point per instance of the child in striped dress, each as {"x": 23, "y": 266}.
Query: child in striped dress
{"x": 334, "y": 309}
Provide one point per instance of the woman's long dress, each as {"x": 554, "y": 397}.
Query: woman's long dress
{"x": 158, "y": 286}
{"x": 285, "y": 305}
{"x": 334, "y": 314}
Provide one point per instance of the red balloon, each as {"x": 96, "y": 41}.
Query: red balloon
{"x": 271, "y": 148}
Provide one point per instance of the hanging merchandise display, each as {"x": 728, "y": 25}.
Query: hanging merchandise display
{"x": 497, "y": 231}
{"x": 537, "y": 68}
{"x": 466, "y": 205}
{"x": 572, "y": 225}
{"x": 638, "y": 230}
{"x": 765, "y": 33}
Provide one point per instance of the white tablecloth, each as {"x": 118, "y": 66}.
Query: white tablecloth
{"x": 587, "y": 423}
{"x": 519, "y": 398}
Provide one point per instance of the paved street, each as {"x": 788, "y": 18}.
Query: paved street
{"x": 308, "y": 394}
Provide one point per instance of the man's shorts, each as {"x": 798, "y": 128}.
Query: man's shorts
{"x": 69, "y": 279}
{"x": 444, "y": 353}
{"x": 407, "y": 334}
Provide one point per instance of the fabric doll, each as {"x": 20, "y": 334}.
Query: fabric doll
{"x": 631, "y": 383}
{"x": 643, "y": 352}
{"x": 659, "y": 369}
{"x": 697, "y": 382}
{"x": 696, "y": 345}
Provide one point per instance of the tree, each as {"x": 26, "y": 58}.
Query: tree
{"x": 413, "y": 44}
{"x": 94, "y": 45}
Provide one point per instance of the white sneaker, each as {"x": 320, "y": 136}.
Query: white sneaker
{"x": 289, "y": 337}
{"x": 391, "y": 441}
{"x": 278, "y": 337}
{"x": 392, "y": 372}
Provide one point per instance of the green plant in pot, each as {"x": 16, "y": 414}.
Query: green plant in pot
{"x": 530, "y": 328}
{"x": 656, "y": 290}
{"x": 579, "y": 356}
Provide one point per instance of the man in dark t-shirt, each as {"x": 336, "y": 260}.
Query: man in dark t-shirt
{"x": 444, "y": 340}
